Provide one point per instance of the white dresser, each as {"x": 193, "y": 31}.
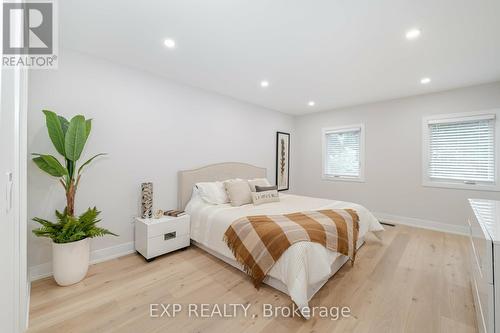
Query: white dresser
{"x": 484, "y": 228}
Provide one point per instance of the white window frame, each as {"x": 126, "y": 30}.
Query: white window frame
{"x": 340, "y": 129}
{"x": 428, "y": 182}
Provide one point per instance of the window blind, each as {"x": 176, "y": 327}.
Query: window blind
{"x": 462, "y": 150}
{"x": 342, "y": 153}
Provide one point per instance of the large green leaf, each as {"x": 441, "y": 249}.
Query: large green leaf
{"x": 90, "y": 160}
{"x": 50, "y": 165}
{"x": 55, "y": 129}
{"x": 64, "y": 124}
{"x": 54, "y": 163}
{"x": 76, "y": 136}
{"x": 88, "y": 127}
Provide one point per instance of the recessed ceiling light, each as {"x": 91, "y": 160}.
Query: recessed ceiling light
{"x": 170, "y": 43}
{"x": 413, "y": 34}
{"x": 311, "y": 103}
{"x": 425, "y": 80}
{"x": 264, "y": 84}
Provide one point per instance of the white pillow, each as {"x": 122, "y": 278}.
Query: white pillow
{"x": 265, "y": 196}
{"x": 195, "y": 201}
{"x": 238, "y": 192}
{"x": 213, "y": 192}
{"x": 258, "y": 182}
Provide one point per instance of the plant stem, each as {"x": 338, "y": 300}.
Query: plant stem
{"x": 70, "y": 198}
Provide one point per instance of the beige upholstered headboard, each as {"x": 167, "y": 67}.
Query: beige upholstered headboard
{"x": 212, "y": 173}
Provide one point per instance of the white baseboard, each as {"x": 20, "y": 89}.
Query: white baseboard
{"x": 420, "y": 223}
{"x": 112, "y": 252}
{"x": 41, "y": 271}
{"x": 44, "y": 270}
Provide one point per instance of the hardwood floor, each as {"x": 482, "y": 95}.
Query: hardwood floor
{"x": 414, "y": 280}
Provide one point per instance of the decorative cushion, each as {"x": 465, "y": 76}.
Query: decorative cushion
{"x": 213, "y": 192}
{"x": 238, "y": 192}
{"x": 265, "y": 188}
{"x": 258, "y": 182}
{"x": 265, "y": 197}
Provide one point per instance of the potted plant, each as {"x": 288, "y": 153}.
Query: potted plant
{"x": 70, "y": 233}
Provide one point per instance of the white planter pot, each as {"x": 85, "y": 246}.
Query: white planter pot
{"x": 70, "y": 261}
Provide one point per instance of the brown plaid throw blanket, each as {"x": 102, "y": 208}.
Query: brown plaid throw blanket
{"x": 257, "y": 242}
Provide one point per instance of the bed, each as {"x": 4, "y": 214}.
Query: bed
{"x": 304, "y": 268}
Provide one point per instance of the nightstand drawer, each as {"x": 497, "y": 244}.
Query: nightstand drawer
{"x": 179, "y": 225}
{"x": 166, "y": 243}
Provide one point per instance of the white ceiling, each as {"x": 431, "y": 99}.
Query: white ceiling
{"x": 335, "y": 52}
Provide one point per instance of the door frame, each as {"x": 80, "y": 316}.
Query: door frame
{"x": 19, "y": 194}
{"x": 20, "y": 199}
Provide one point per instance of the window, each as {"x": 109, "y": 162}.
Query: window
{"x": 460, "y": 151}
{"x": 343, "y": 153}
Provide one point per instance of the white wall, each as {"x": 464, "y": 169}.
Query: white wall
{"x": 393, "y": 166}
{"x": 151, "y": 129}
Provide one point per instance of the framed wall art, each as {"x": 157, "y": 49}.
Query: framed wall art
{"x": 282, "y": 160}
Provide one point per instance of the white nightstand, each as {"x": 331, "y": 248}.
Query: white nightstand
{"x": 154, "y": 237}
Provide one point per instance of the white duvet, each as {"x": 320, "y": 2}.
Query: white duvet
{"x": 304, "y": 264}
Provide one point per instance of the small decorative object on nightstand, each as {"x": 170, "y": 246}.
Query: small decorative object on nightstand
{"x": 147, "y": 200}
{"x": 154, "y": 237}
{"x": 159, "y": 213}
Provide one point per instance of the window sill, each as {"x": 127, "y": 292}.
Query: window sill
{"x": 343, "y": 179}
{"x": 459, "y": 186}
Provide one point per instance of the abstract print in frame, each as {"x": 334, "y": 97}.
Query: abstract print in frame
{"x": 282, "y": 160}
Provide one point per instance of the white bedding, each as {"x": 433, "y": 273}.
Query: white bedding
{"x": 303, "y": 264}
